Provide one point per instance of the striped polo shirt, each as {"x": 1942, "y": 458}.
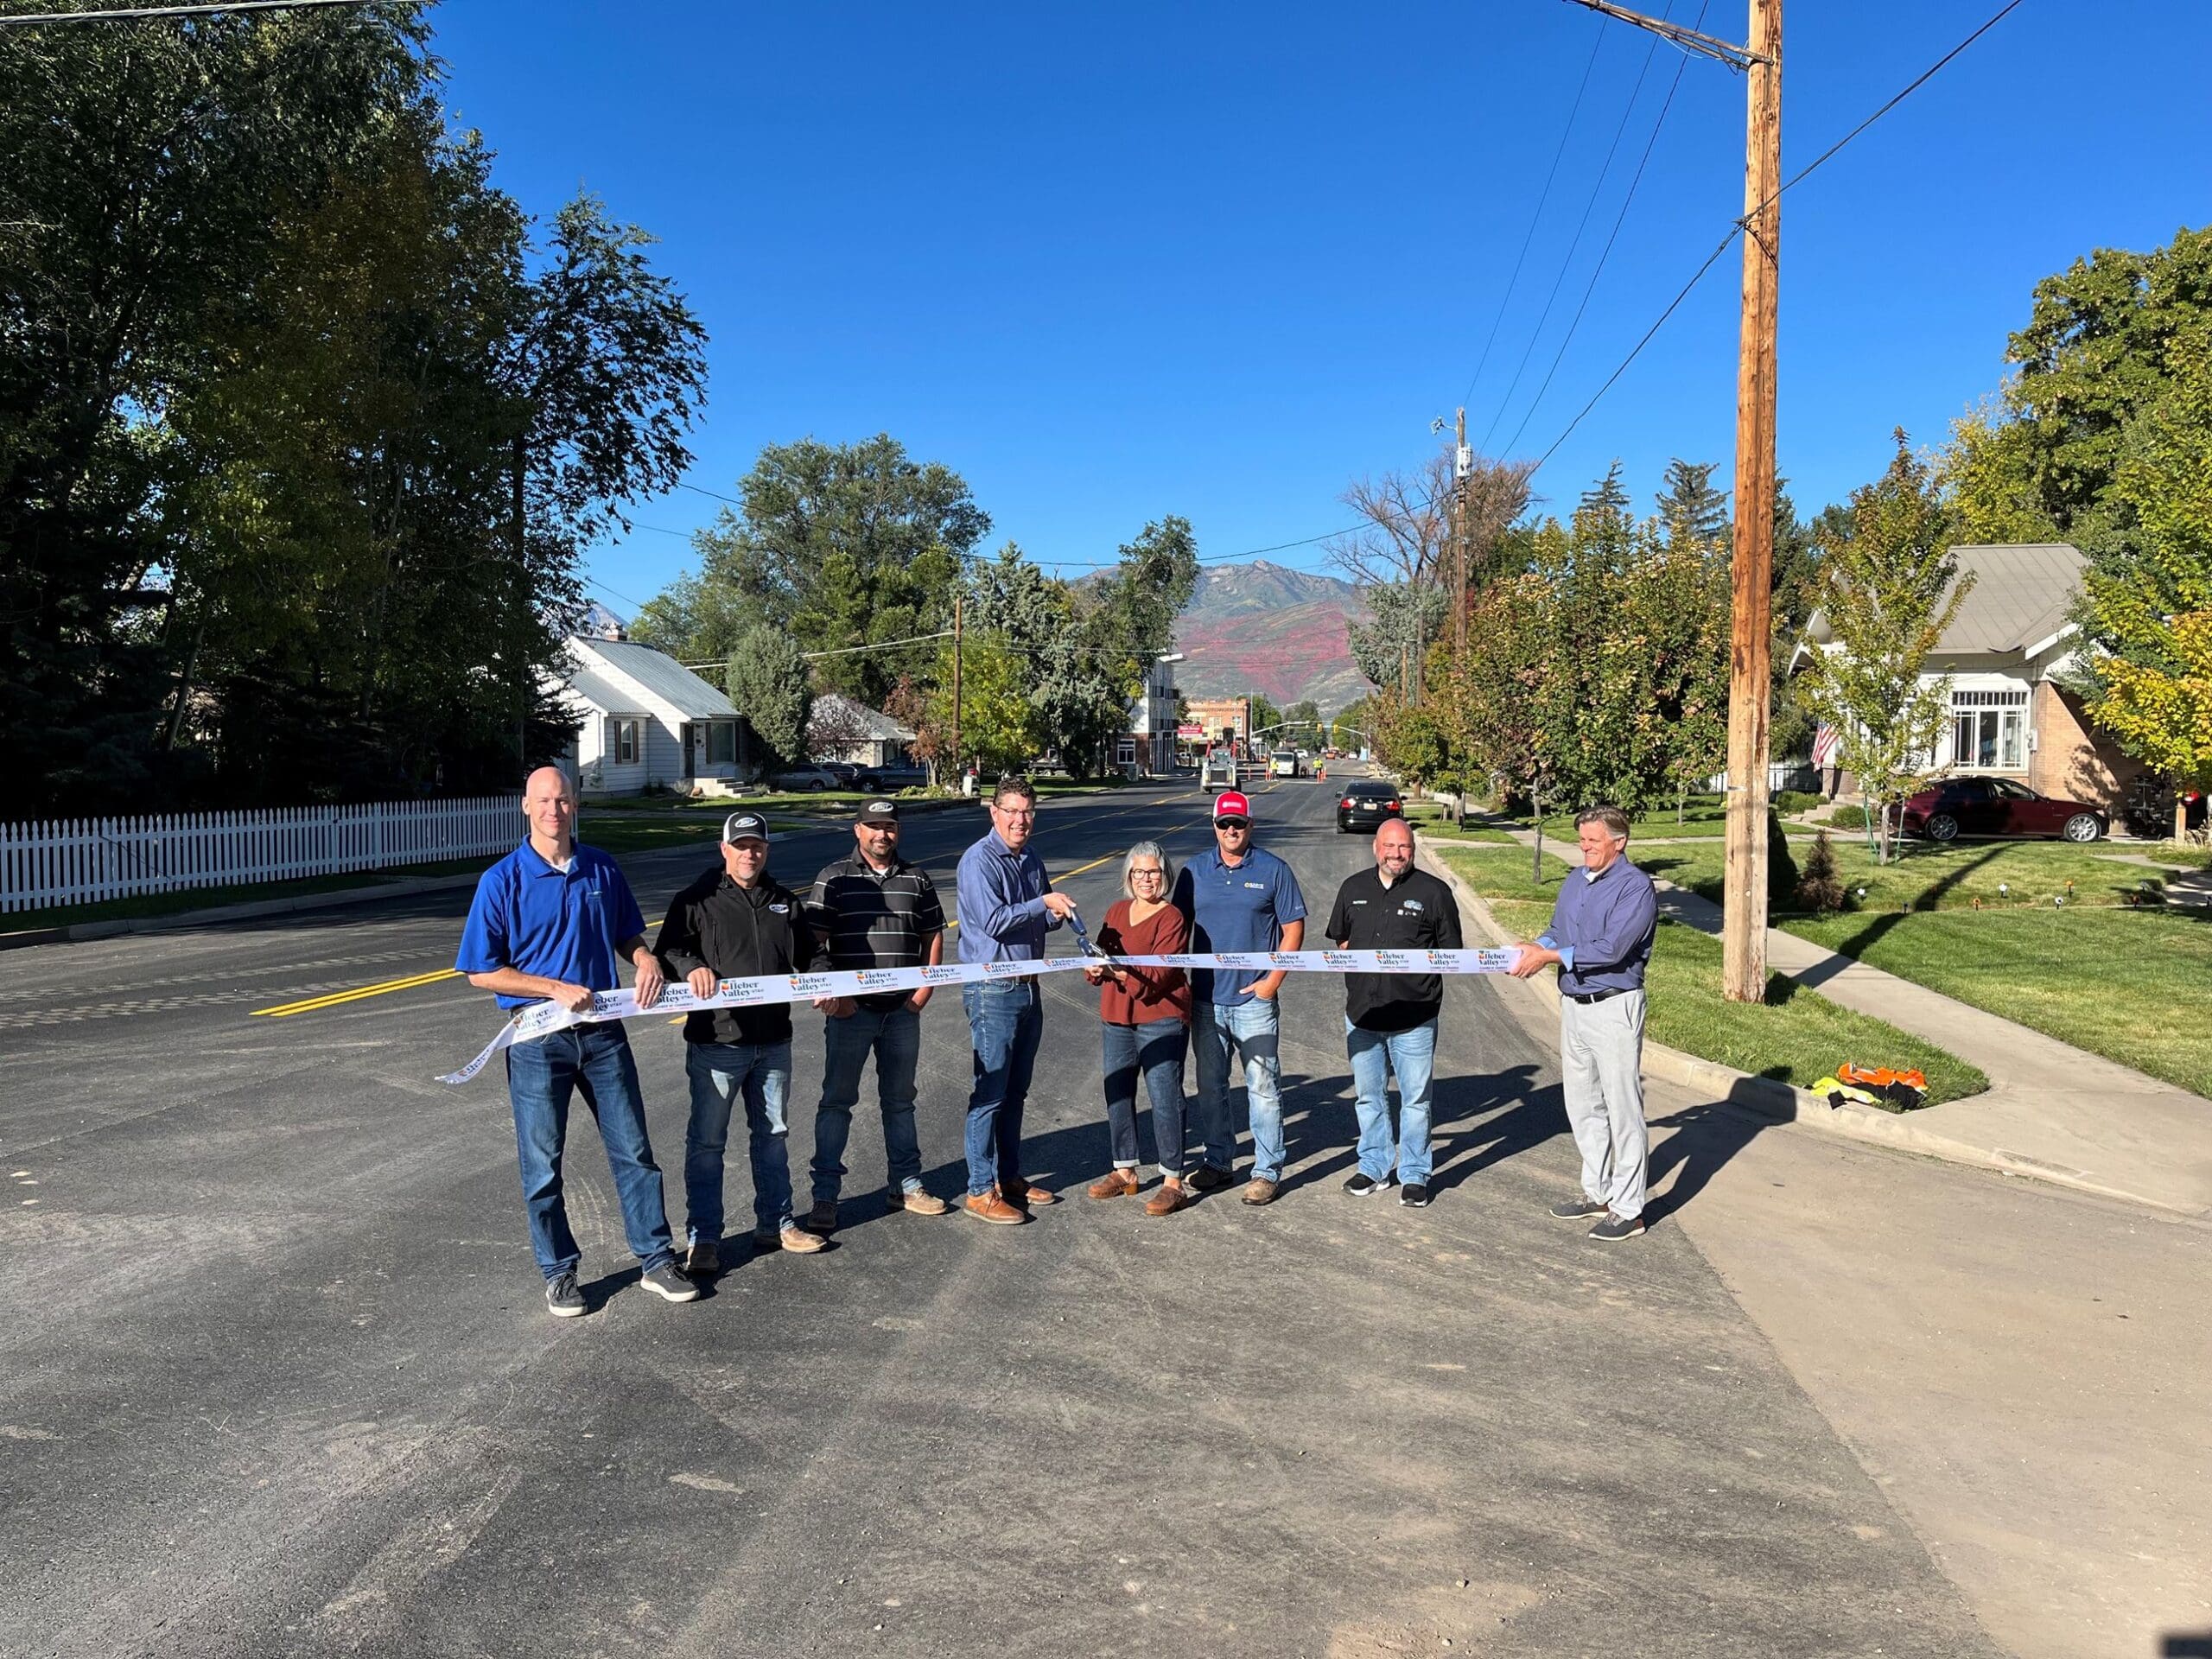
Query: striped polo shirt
{"x": 869, "y": 920}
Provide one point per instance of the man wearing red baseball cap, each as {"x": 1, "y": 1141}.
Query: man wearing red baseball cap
{"x": 1238, "y": 898}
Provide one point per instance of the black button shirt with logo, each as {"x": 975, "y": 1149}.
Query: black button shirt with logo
{"x": 738, "y": 932}
{"x": 1415, "y": 912}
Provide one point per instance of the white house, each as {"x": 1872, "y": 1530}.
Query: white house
{"x": 646, "y": 720}
{"x": 842, "y": 730}
{"x": 2005, "y": 654}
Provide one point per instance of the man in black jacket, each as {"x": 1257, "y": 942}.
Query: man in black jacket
{"x": 734, "y": 922}
{"x": 1390, "y": 1018}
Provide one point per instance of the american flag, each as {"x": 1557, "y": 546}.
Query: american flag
{"x": 1825, "y": 744}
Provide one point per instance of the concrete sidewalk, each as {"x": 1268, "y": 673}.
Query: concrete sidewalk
{"x": 2051, "y": 1109}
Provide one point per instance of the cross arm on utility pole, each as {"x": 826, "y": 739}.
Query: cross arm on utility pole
{"x": 1711, "y": 46}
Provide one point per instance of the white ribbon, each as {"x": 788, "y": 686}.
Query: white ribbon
{"x": 542, "y": 1019}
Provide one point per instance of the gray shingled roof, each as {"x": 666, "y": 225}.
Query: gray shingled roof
{"x": 656, "y": 672}
{"x": 2020, "y": 597}
{"x": 875, "y": 725}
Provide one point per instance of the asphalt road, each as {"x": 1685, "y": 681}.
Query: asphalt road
{"x": 278, "y": 1377}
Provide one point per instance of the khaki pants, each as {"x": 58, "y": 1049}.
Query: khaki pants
{"x": 1601, "y": 1065}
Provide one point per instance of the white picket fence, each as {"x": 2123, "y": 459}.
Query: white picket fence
{"x": 82, "y": 861}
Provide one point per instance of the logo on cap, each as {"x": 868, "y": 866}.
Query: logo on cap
{"x": 745, "y": 826}
{"x": 1232, "y": 804}
{"x": 879, "y": 812}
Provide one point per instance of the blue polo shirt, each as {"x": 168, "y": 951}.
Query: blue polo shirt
{"x": 1236, "y": 907}
{"x": 563, "y": 925}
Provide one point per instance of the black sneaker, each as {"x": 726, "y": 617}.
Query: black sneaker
{"x": 667, "y": 1281}
{"x": 1359, "y": 1186}
{"x": 1578, "y": 1208}
{"x": 1207, "y": 1179}
{"x": 562, "y": 1299}
{"x": 1414, "y": 1196}
{"x": 1613, "y": 1229}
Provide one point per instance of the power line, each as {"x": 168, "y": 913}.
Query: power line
{"x": 1606, "y": 253}
{"x": 714, "y": 494}
{"x": 28, "y": 19}
{"x": 1597, "y": 187}
{"x": 1543, "y": 197}
{"x": 1736, "y": 230}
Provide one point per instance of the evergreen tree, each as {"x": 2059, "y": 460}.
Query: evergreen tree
{"x": 1689, "y": 506}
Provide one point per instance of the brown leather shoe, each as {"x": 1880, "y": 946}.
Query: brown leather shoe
{"x": 989, "y": 1206}
{"x": 1259, "y": 1192}
{"x": 1113, "y": 1184}
{"x": 796, "y": 1240}
{"x": 918, "y": 1203}
{"x": 823, "y": 1218}
{"x": 1173, "y": 1196}
{"x": 1018, "y": 1190}
{"x": 1207, "y": 1179}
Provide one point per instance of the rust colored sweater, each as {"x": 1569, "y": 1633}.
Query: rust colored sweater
{"x": 1152, "y": 993}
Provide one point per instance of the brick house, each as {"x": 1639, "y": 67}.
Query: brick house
{"x": 2006, "y": 655}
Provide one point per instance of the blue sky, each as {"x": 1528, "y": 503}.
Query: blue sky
{"x": 1219, "y": 259}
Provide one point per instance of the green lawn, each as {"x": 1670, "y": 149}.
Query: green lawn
{"x": 1702, "y": 816}
{"x": 1926, "y": 876}
{"x": 2134, "y": 986}
{"x": 1797, "y": 1035}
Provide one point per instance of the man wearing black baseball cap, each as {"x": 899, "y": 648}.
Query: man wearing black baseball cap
{"x": 734, "y": 922}
{"x": 873, "y": 909}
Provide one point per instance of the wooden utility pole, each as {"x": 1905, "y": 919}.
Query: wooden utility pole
{"x": 955, "y": 682}
{"x": 1752, "y": 574}
{"x": 1751, "y": 571}
{"x": 1462, "y": 463}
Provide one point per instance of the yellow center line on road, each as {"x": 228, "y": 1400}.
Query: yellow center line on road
{"x": 310, "y": 1004}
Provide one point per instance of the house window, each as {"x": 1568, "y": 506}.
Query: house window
{"x": 1989, "y": 730}
{"x": 624, "y": 741}
{"x": 722, "y": 743}
{"x": 1125, "y": 750}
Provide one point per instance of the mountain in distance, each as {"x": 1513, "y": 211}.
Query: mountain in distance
{"x": 1262, "y": 627}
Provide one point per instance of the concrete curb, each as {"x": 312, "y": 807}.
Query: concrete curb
{"x": 1773, "y": 1102}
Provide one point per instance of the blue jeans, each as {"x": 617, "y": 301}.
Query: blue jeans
{"x": 1412, "y": 1055}
{"x": 1156, "y": 1049}
{"x": 722, "y": 1073}
{"x": 1252, "y": 1029}
{"x": 894, "y": 1037}
{"x": 593, "y": 1060}
{"x": 1006, "y": 1019}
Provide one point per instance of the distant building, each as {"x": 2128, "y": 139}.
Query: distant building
{"x": 842, "y": 729}
{"x": 1223, "y": 720}
{"x": 648, "y": 722}
{"x": 1150, "y": 743}
{"x": 2006, "y": 654}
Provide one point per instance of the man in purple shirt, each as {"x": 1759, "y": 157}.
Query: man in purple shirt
{"x": 1006, "y": 906}
{"x": 1600, "y": 937}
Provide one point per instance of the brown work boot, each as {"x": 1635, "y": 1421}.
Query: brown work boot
{"x": 918, "y": 1203}
{"x": 1173, "y": 1196}
{"x": 1018, "y": 1190}
{"x": 796, "y": 1240}
{"x": 1207, "y": 1179}
{"x": 1261, "y": 1190}
{"x": 823, "y": 1218}
{"x": 989, "y": 1206}
{"x": 1113, "y": 1184}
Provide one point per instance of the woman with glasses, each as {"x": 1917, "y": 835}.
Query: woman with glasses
{"x": 1145, "y": 1014}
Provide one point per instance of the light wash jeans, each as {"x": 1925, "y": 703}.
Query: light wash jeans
{"x": 1412, "y": 1055}
{"x": 1253, "y": 1030}
{"x": 721, "y": 1075}
{"x": 1601, "y": 1066}
{"x": 593, "y": 1061}
{"x": 894, "y": 1037}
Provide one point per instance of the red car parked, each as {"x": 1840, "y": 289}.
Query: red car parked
{"x": 1999, "y": 806}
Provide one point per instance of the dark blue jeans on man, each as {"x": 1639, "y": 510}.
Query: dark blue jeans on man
{"x": 721, "y": 1075}
{"x": 894, "y": 1035}
{"x": 1154, "y": 1051}
{"x": 593, "y": 1061}
{"x": 1006, "y": 1021}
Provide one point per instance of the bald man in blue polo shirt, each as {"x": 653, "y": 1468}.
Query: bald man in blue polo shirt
{"x": 547, "y": 924}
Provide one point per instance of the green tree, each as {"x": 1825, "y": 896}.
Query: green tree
{"x": 1689, "y": 505}
{"x": 767, "y": 680}
{"x": 996, "y": 722}
{"x": 2149, "y": 681}
{"x": 1884, "y": 595}
{"x": 846, "y": 545}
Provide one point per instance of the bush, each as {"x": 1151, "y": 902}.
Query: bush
{"x": 1796, "y": 800}
{"x": 1820, "y": 890}
{"x": 1848, "y": 817}
{"x": 1782, "y": 876}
